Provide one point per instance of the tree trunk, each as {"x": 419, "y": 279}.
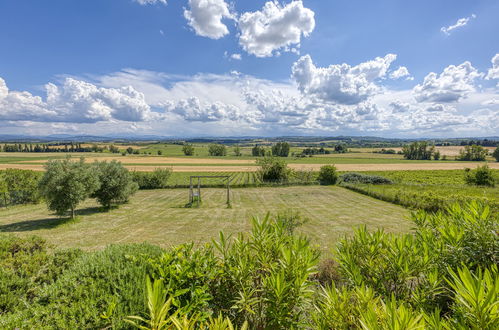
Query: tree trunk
{"x": 72, "y": 212}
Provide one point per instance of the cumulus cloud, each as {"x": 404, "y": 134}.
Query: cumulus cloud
{"x": 150, "y": 2}
{"x": 453, "y": 84}
{"x": 236, "y": 57}
{"x": 192, "y": 109}
{"x": 205, "y": 17}
{"x": 275, "y": 28}
{"x": 401, "y": 72}
{"x": 459, "y": 24}
{"x": 494, "y": 71}
{"x": 341, "y": 83}
{"x": 74, "y": 101}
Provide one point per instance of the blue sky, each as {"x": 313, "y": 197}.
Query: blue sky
{"x": 215, "y": 67}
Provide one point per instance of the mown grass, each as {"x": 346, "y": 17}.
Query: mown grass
{"x": 159, "y": 216}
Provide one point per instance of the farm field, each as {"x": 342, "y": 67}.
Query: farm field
{"x": 159, "y": 217}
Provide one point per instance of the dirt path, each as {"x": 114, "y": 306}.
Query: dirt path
{"x": 306, "y": 167}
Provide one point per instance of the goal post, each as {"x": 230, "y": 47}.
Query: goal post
{"x": 195, "y": 193}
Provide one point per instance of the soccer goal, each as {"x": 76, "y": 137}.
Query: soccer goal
{"x": 195, "y": 192}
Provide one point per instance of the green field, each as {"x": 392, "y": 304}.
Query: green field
{"x": 159, "y": 216}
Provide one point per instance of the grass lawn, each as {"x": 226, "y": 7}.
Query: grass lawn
{"x": 159, "y": 216}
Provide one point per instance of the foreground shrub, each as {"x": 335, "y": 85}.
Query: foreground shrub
{"x": 26, "y": 268}
{"x": 109, "y": 282}
{"x": 495, "y": 154}
{"x": 328, "y": 175}
{"x": 66, "y": 184}
{"x": 116, "y": 183}
{"x": 158, "y": 179}
{"x": 353, "y": 177}
{"x": 481, "y": 176}
{"x": 273, "y": 169}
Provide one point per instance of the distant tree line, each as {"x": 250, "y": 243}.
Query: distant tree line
{"x": 58, "y": 147}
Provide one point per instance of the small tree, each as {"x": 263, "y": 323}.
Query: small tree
{"x": 66, "y": 184}
{"x": 495, "y": 154}
{"x": 237, "y": 151}
{"x": 473, "y": 153}
{"x": 273, "y": 169}
{"x": 328, "y": 175}
{"x": 116, "y": 183}
{"x": 4, "y": 190}
{"x": 129, "y": 150}
{"x": 280, "y": 149}
{"x": 217, "y": 150}
{"x": 481, "y": 176}
{"x": 188, "y": 149}
{"x": 418, "y": 151}
{"x": 258, "y": 151}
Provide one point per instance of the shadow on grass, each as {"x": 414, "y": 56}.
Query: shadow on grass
{"x": 49, "y": 223}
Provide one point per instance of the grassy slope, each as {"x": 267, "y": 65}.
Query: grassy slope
{"x": 160, "y": 218}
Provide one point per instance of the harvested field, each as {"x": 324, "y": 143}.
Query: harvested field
{"x": 308, "y": 167}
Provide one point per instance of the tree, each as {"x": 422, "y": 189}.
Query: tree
{"x": 129, "y": 150}
{"x": 418, "y": 151}
{"x": 473, "y": 153}
{"x": 114, "y": 149}
{"x": 258, "y": 151}
{"x": 4, "y": 190}
{"x": 237, "y": 151}
{"x": 495, "y": 154}
{"x": 116, "y": 183}
{"x": 188, "y": 149}
{"x": 273, "y": 169}
{"x": 328, "y": 175}
{"x": 280, "y": 149}
{"x": 66, "y": 184}
{"x": 217, "y": 150}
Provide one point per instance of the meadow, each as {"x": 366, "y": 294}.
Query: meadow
{"x": 160, "y": 217}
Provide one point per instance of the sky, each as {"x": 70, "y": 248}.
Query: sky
{"x": 198, "y": 68}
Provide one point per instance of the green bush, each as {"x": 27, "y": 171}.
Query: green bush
{"x": 495, "y": 154}
{"x": 481, "y": 176}
{"x": 188, "y": 149}
{"x": 328, "y": 175}
{"x": 418, "y": 151}
{"x": 19, "y": 187}
{"x": 273, "y": 169}
{"x": 353, "y": 177}
{"x": 217, "y": 150}
{"x": 116, "y": 183}
{"x": 280, "y": 149}
{"x": 109, "y": 282}
{"x": 158, "y": 179}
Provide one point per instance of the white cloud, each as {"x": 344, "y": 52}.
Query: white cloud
{"x": 150, "y": 2}
{"x": 275, "y": 28}
{"x": 401, "y": 72}
{"x": 341, "y": 83}
{"x": 205, "y": 17}
{"x": 192, "y": 109}
{"x": 236, "y": 57}
{"x": 494, "y": 71}
{"x": 74, "y": 101}
{"x": 453, "y": 84}
{"x": 460, "y": 23}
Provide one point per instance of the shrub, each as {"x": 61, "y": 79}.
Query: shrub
{"x": 19, "y": 186}
{"x": 495, "y": 154}
{"x": 273, "y": 169}
{"x": 66, "y": 184}
{"x": 116, "y": 183}
{"x": 328, "y": 175}
{"x": 237, "y": 151}
{"x": 110, "y": 282}
{"x": 353, "y": 177}
{"x": 158, "y": 179}
{"x": 473, "y": 153}
{"x": 188, "y": 149}
{"x": 217, "y": 150}
{"x": 481, "y": 176}
{"x": 280, "y": 149}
